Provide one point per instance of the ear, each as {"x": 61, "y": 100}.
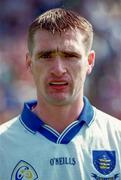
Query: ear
{"x": 91, "y": 61}
{"x": 28, "y": 62}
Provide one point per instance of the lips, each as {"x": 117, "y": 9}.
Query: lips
{"x": 58, "y": 85}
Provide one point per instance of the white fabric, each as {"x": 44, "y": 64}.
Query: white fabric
{"x": 28, "y": 156}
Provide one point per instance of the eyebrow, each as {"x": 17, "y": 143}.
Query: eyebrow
{"x": 61, "y": 53}
{"x": 45, "y": 52}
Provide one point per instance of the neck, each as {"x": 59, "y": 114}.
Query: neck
{"x": 58, "y": 117}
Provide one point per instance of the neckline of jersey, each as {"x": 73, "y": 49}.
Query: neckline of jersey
{"x": 34, "y": 124}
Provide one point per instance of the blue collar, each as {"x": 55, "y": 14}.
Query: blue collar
{"x": 33, "y": 123}
{"x": 87, "y": 112}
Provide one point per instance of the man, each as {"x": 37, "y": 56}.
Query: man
{"x": 61, "y": 135}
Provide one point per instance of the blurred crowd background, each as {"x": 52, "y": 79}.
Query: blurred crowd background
{"x": 103, "y": 87}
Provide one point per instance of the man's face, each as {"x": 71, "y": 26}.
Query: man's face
{"x": 59, "y": 65}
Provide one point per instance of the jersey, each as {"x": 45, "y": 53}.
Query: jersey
{"x": 88, "y": 149}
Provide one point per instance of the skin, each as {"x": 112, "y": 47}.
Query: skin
{"x": 59, "y": 65}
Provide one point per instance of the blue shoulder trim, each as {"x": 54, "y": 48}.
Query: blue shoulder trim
{"x": 30, "y": 119}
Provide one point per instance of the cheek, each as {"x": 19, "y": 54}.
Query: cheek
{"x": 41, "y": 76}
{"x": 79, "y": 73}
{"x": 37, "y": 73}
{"x": 37, "y": 68}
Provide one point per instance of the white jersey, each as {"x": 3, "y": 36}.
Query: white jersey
{"x": 88, "y": 149}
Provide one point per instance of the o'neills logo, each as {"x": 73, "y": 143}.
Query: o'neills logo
{"x": 62, "y": 161}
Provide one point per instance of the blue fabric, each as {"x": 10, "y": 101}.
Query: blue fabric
{"x": 35, "y": 124}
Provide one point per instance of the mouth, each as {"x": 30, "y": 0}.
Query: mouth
{"x": 58, "y": 85}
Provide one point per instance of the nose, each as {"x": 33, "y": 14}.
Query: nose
{"x": 58, "y": 68}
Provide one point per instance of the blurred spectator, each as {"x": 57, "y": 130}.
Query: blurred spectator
{"x": 15, "y": 82}
{"x": 41, "y": 6}
{"x": 106, "y": 83}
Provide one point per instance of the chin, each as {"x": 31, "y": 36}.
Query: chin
{"x": 58, "y": 101}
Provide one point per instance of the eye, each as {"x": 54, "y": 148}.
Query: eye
{"x": 45, "y": 55}
{"x": 71, "y": 55}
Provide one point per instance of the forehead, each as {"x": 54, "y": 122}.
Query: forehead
{"x": 71, "y": 40}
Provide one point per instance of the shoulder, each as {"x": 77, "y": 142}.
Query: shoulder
{"x": 9, "y": 125}
{"x": 106, "y": 117}
{"x": 107, "y": 120}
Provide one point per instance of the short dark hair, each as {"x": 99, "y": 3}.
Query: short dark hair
{"x": 58, "y": 21}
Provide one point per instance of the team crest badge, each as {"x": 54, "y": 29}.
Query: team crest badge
{"x": 104, "y": 161}
{"x": 24, "y": 171}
